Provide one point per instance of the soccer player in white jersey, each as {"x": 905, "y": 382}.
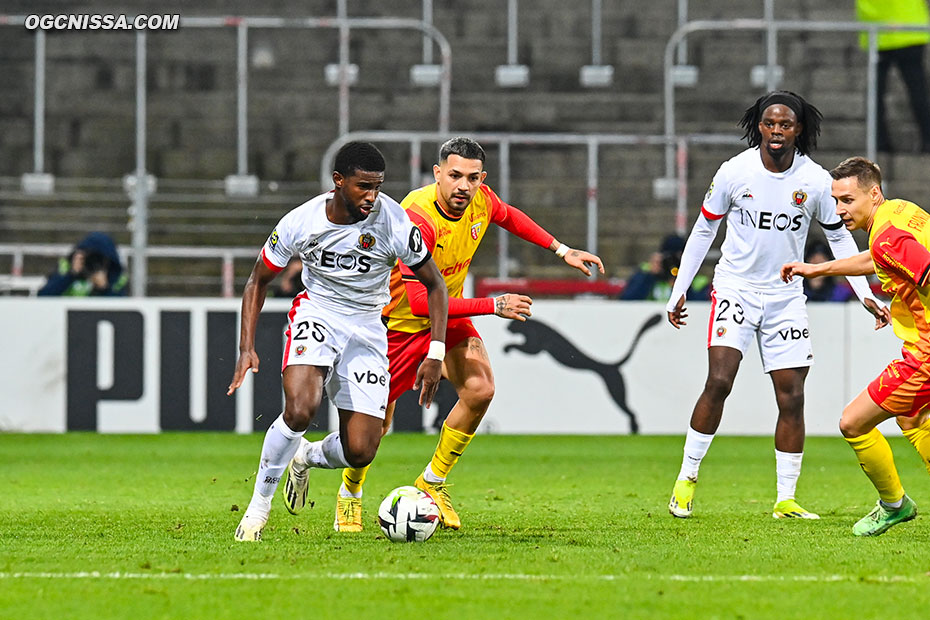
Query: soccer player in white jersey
{"x": 348, "y": 240}
{"x": 770, "y": 194}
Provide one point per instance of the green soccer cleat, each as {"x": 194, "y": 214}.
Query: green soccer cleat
{"x": 882, "y": 518}
{"x": 682, "y": 501}
{"x": 295, "y": 488}
{"x": 250, "y": 529}
{"x": 790, "y": 509}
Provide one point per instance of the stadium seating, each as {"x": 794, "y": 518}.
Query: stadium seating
{"x": 293, "y": 114}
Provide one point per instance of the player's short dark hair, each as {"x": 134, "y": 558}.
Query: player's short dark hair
{"x": 355, "y": 156}
{"x": 808, "y": 116}
{"x": 866, "y": 171}
{"x": 465, "y": 148}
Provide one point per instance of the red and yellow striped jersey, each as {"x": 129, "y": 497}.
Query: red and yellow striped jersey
{"x": 899, "y": 242}
{"x": 451, "y": 240}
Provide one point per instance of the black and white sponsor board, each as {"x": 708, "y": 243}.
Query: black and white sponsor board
{"x": 588, "y": 367}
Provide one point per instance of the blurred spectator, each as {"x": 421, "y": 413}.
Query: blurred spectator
{"x": 93, "y": 268}
{"x": 289, "y": 284}
{"x": 654, "y": 279}
{"x": 826, "y": 288}
{"x": 906, "y": 50}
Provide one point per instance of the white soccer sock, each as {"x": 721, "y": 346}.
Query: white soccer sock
{"x": 300, "y": 457}
{"x": 326, "y": 453}
{"x": 277, "y": 451}
{"x": 430, "y": 476}
{"x": 344, "y": 492}
{"x": 696, "y": 447}
{"x": 893, "y": 505}
{"x": 787, "y": 470}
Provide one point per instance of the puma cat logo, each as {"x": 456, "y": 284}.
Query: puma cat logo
{"x": 539, "y": 337}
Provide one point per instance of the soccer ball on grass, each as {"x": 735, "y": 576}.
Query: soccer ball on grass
{"x": 408, "y": 514}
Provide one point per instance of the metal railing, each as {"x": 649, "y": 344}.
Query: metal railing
{"x": 226, "y": 256}
{"x": 592, "y": 142}
{"x": 773, "y": 28}
{"x": 141, "y": 182}
{"x": 676, "y": 146}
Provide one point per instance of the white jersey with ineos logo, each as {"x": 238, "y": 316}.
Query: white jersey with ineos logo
{"x": 346, "y": 267}
{"x": 768, "y": 217}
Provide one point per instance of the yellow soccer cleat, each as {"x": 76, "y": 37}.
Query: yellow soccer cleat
{"x": 250, "y": 529}
{"x": 682, "y": 500}
{"x": 348, "y": 514}
{"x": 440, "y": 494}
{"x": 790, "y": 509}
{"x": 295, "y": 488}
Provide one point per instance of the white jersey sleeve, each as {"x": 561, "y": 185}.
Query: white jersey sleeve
{"x": 714, "y": 208}
{"x": 407, "y": 240}
{"x": 825, "y": 211}
{"x": 717, "y": 200}
{"x": 279, "y": 248}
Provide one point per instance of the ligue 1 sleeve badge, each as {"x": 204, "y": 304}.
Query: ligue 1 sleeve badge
{"x": 366, "y": 241}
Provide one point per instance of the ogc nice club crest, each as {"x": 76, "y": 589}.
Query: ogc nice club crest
{"x": 366, "y": 241}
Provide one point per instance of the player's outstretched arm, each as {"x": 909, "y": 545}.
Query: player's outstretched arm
{"x": 430, "y": 371}
{"x": 508, "y": 305}
{"x": 856, "y": 265}
{"x": 253, "y": 298}
{"x": 519, "y": 223}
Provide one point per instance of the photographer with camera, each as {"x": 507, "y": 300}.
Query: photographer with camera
{"x": 654, "y": 279}
{"x": 92, "y": 269}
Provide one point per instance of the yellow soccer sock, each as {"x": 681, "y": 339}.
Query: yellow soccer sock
{"x": 452, "y": 444}
{"x": 353, "y": 478}
{"x": 877, "y": 462}
{"x": 920, "y": 439}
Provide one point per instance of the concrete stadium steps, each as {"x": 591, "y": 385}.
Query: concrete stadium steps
{"x": 293, "y": 113}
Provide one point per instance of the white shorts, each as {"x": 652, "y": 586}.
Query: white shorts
{"x": 352, "y": 347}
{"x": 778, "y": 321}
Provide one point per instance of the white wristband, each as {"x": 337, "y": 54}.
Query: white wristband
{"x": 437, "y": 350}
{"x": 562, "y": 250}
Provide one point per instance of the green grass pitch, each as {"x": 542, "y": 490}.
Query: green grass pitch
{"x": 97, "y": 526}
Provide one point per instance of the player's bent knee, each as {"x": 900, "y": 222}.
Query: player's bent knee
{"x": 848, "y": 428}
{"x": 297, "y": 416}
{"x": 478, "y": 393}
{"x": 791, "y": 405}
{"x": 907, "y": 423}
{"x": 718, "y": 386}
{"x": 360, "y": 453}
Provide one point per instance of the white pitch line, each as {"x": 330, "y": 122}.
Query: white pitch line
{"x": 923, "y": 579}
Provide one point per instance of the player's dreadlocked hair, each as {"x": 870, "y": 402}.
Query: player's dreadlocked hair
{"x": 355, "y": 156}
{"x": 808, "y": 116}
{"x": 465, "y": 148}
